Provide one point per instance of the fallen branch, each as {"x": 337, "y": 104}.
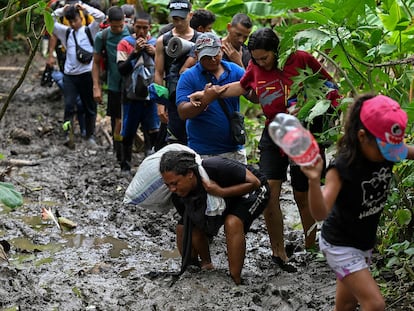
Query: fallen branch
{"x": 18, "y": 163}
{"x": 106, "y": 135}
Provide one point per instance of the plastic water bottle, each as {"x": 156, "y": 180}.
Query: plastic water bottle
{"x": 296, "y": 141}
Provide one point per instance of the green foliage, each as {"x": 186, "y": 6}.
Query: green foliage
{"x": 11, "y": 47}
{"x": 9, "y": 196}
{"x": 367, "y": 46}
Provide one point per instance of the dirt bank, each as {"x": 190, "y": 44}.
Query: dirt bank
{"x": 115, "y": 259}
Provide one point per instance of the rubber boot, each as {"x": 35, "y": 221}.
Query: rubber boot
{"x": 117, "y": 141}
{"x": 126, "y": 156}
{"x": 148, "y": 150}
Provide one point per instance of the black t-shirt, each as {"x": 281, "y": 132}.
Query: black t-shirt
{"x": 354, "y": 218}
{"x": 224, "y": 172}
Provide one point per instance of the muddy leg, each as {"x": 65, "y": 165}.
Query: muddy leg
{"x": 236, "y": 246}
{"x": 200, "y": 246}
{"x": 274, "y": 221}
{"x": 301, "y": 199}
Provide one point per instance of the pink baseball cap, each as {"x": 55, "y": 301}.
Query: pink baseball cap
{"x": 385, "y": 119}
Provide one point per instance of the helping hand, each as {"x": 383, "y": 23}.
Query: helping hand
{"x": 212, "y": 187}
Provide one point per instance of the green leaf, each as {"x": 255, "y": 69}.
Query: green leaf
{"x": 28, "y": 18}
{"x": 261, "y": 9}
{"x": 393, "y": 17}
{"x": 304, "y": 110}
{"x": 409, "y": 251}
{"x": 9, "y": 196}
{"x": 313, "y": 16}
{"x": 49, "y": 22}
{"x": 292, "y": 4}
{"x": 403, "y": 216}
{"x": 226, "y": 8}
{"x": 311, "y": 38}
{"x": 319, "y": 109}
{"x": 393, "y": 261}
{"x": 386, "y": 49}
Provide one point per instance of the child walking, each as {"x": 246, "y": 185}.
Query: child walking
{"x": 355, "y": 191}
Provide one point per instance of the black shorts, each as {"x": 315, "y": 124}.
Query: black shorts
{"x": 114, "y": 106}
{"x": 248, "y": 208}
{"x": 274, "y": 164}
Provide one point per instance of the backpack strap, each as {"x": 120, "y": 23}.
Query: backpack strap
{"x": 89, "y": 34}
{"x": 166, "y": 37}
{"x": 104, "y": 38}
{"x": 67, "y": 34}
{"x": 131, "y": 29}
{"x": 87, "y": 31}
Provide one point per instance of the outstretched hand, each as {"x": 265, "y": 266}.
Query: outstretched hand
{"x": 210, "y": 93}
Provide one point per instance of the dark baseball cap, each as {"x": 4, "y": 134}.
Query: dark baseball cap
{"x": 207, "y": 44}
{"x": 179, "y": 8}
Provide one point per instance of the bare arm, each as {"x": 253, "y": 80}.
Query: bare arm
{"x": 188, "y": 110}
{"x": 410, "y": 154}
{"x": 251, "y": 183}
{"x": 159, "y": 76}
{"x": 52, "y": 45}
{"x": 96, "y": 71}
{"x": 233, "y": 89}
{"x": 190, "y": 62}
{"x": 321, "y": 201}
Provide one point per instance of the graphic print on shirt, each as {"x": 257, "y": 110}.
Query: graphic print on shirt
{"x": 374, "y": 192}
{"x": 268, "y": 91}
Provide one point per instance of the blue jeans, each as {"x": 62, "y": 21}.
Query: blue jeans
{"x": 80, "y": 114}
{"x": 135, "y": 113}
{"x": 80, "y": 86}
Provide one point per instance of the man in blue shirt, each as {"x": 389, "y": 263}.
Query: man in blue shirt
{"x": 208, "y": 128}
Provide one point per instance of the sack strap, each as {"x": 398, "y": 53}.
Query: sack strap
{"x": 220, "y": 100}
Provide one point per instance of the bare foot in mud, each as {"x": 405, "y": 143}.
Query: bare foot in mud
{"x": 207, "y": 266}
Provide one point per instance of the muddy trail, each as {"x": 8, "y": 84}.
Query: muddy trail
{"x": 119, "y": 257}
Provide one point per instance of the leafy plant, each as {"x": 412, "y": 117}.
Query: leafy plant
{"x": 9, "y": 196}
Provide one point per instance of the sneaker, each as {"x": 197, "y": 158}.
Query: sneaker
{"x": 91, "y": 143}
{"x": 285, "y": 266}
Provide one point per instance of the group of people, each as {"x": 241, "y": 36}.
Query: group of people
{"x": 204, "y": 86}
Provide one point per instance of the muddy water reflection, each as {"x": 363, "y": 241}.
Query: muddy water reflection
{"x": 78, "y": 240}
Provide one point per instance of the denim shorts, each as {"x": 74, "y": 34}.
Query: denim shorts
{"x": 345, "y": 260}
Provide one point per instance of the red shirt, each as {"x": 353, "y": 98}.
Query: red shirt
{"x": 272, "y": 87}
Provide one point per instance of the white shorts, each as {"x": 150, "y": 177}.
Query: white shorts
{"x": 344, "y": 260}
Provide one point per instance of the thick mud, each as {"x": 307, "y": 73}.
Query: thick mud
{"x": 119, "y": 257}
